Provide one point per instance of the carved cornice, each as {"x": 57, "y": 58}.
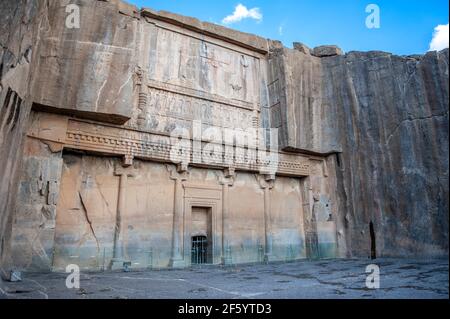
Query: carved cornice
{"x": 114, "y": 141}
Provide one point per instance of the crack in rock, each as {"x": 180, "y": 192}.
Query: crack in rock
{"x": 89, "y": 222}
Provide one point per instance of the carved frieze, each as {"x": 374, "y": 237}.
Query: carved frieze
{"x": 128, "y": 144}
{"x": 164, "y": 107}
{"x": 110, "y": 140}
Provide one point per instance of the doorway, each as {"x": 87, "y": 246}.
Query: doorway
{"x": 373, "y": 245}
{"x": 201, "y": 237}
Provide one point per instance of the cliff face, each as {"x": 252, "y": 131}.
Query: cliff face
{"x": 18, "y": 31}
{"x": 386, "y": 118}
{"x": 392, "y": 114}
{"x": 88, "y": 69}
{"x": 379, "y": 120}
{"x": 50, "y": 67}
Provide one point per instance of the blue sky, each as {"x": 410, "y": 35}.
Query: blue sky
{"x": 406, "y": 27}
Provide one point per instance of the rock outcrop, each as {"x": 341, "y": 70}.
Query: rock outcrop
{"x": 18, "y": 43}
{"x": 326, "y": 50}
{"x": 392, "y": 115}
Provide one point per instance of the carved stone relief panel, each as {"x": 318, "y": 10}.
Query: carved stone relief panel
{"x": 166, "y": 110}
{"x": 187, "y": 77}
{"x": 196, "y": 62}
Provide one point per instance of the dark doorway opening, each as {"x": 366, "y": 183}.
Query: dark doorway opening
{"x": 338, "y": 160}
{"x": 199, "y": 253}
{"x": 373, "y": 245}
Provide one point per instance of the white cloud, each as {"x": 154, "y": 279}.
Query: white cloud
{"x": 440, "y": 38}
{"x": 281, "y": 28}
{"x": 241, "y": 12}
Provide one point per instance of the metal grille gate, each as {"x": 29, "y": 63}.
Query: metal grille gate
{"x": 199, "y": 250}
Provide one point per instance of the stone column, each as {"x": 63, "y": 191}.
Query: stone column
{"x": 141, "y": 85}
{"x": 177, "y": 257}
{"x": 267, "y": 182}
{"x": 226, "y": 182}
{"x": 119, "y": 253}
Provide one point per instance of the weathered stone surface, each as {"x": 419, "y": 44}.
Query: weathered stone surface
{"x": 302, "y": 48}
{"x": 35, "y": 218}
{"x": 248, "y": 40}
{"x": 185, "y": 78}
{"x": 18, "y": 26}
{"x": 326, "y": 50}
{"x": 88, "y": 71}
{"x": 393, "y": 129}
{"x": 296, "y": 103}
{"x": 106, "y": 178}
{"x": 387, "y": 118}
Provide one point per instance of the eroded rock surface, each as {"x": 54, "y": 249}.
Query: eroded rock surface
{"x": 363, "y": 139}
{"x": 18, "y": 25}
{"x": 393, "y": 128}
{"x": 386, "y": 117}
{"x": 326, "y": 50}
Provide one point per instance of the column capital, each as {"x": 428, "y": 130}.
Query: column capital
{"x": 176, "y": 173}
{"x": 182, "y": 167}
{"x": 229, "y": 172}
{"x": 266, "y": 180}
{"x": 127, "y": 160}
{"x": 228, "y": 177}
{"x": 119, "y": 170}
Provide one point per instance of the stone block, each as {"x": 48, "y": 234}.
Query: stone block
{"x": 302, "y": 48}
{"x": 327, "y": 50}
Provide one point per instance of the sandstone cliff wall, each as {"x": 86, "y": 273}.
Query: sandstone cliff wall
{"x": 88, "y": 70}
{"x": 380, "y": 120}
{"x": 18, "y": 43}
{"x": 393, "y": 127}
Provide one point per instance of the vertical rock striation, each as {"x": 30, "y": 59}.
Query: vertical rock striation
{"x": 386, "y": 118}
{"x": 393, "y": 128}
{"x": 18, "y": 38}
{"x": 375, "y": 123}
